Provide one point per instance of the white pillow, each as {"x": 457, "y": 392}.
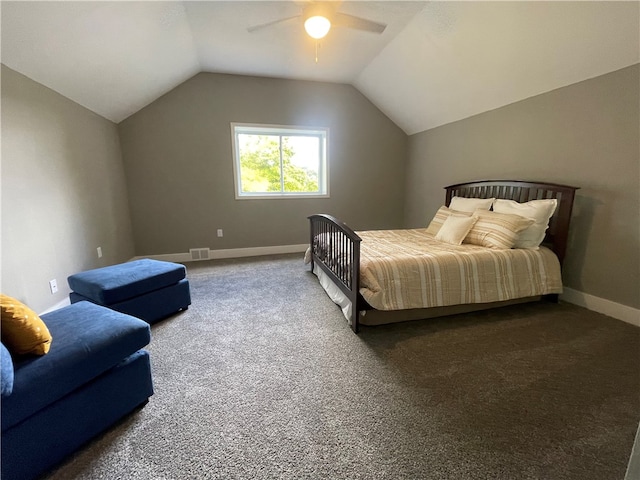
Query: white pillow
{"x": 540, "y": 211}
{"x": 439, "y": 218}
{"x": 455, "y": 228}
{"x": 470, "y": 205}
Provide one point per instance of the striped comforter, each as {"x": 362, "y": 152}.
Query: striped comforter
{"x": 402, "y": 269}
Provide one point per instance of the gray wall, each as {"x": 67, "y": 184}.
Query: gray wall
{"x": 178, "y": 160}
{"x": 586, "y": 135}
{"x": 63, "y": 192}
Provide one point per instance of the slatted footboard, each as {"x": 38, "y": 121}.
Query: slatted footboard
{"x": 335, "y": 248}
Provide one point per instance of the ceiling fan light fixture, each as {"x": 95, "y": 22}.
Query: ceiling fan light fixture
{"x": 317, "y": 26}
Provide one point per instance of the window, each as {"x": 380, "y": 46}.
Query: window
{"x": 272, "y": 161}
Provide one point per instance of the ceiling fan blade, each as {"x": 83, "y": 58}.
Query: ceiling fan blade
{"x": 349, "y": 21}
{"x": 256, "y": 28}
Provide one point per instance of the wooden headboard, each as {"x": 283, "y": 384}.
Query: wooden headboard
{"x": 522, "y": 191}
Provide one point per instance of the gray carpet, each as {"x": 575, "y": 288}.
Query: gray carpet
{"x": 262, "y": 379}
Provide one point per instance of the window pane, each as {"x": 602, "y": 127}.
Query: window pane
{"x": 279, "y": 161}
{"x": 301, "y": 163}
{"x": 259, "y": 163}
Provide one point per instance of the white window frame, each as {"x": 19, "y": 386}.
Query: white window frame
{"x": 280, "y": 130}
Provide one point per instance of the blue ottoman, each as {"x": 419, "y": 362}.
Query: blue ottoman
{"x": 147, "y": 289}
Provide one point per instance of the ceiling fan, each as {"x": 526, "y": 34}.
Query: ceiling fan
{"x": 319, "y": 17}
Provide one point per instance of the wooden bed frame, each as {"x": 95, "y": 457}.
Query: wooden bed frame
{"x": 346, "y": 244}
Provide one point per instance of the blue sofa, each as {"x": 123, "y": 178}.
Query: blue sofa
{"x": 94, "y": 374}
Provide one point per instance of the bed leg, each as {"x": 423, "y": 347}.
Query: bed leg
{"x": 551, "y": 298}
{"x": 355, "y": 325}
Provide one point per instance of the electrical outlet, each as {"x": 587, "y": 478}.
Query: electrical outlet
{"x": 219, "y": 232}
{"x": 53, "y": 285}
{"x": 99, "y": 249}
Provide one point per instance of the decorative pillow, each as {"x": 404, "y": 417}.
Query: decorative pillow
{"x": 540, "y": 211}
{"x": 6, "y": 371}
{"x": 463, "y": 204}
{"x": 496, "y": 230}
{"x": 455, "y": 228}
{"x": 441, "y": 215}
{"x": 23, "y": 331}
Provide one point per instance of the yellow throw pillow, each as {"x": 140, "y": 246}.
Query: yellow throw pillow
{"x": 23, "y": 331}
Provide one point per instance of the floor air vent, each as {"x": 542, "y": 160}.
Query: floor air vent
{"x": 199, "y": 253}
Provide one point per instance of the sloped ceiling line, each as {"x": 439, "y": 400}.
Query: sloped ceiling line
{"x": 435, "y": 63}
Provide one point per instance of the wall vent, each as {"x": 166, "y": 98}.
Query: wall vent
{"x": 199, "y": 253}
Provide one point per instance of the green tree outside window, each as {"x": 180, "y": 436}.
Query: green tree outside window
{"x": 286, "y": 162}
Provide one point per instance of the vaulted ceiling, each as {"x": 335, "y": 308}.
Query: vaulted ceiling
{"x": 436, "y": 62}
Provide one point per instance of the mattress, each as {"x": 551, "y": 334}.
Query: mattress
{"x": 409, "y": 269}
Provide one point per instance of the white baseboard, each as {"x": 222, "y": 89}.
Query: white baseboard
{"x": 633, "y": 467}
{"x": 213, "y": 254}
{"x": 230, "y": 253}
{"x": 607, "y": 307}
